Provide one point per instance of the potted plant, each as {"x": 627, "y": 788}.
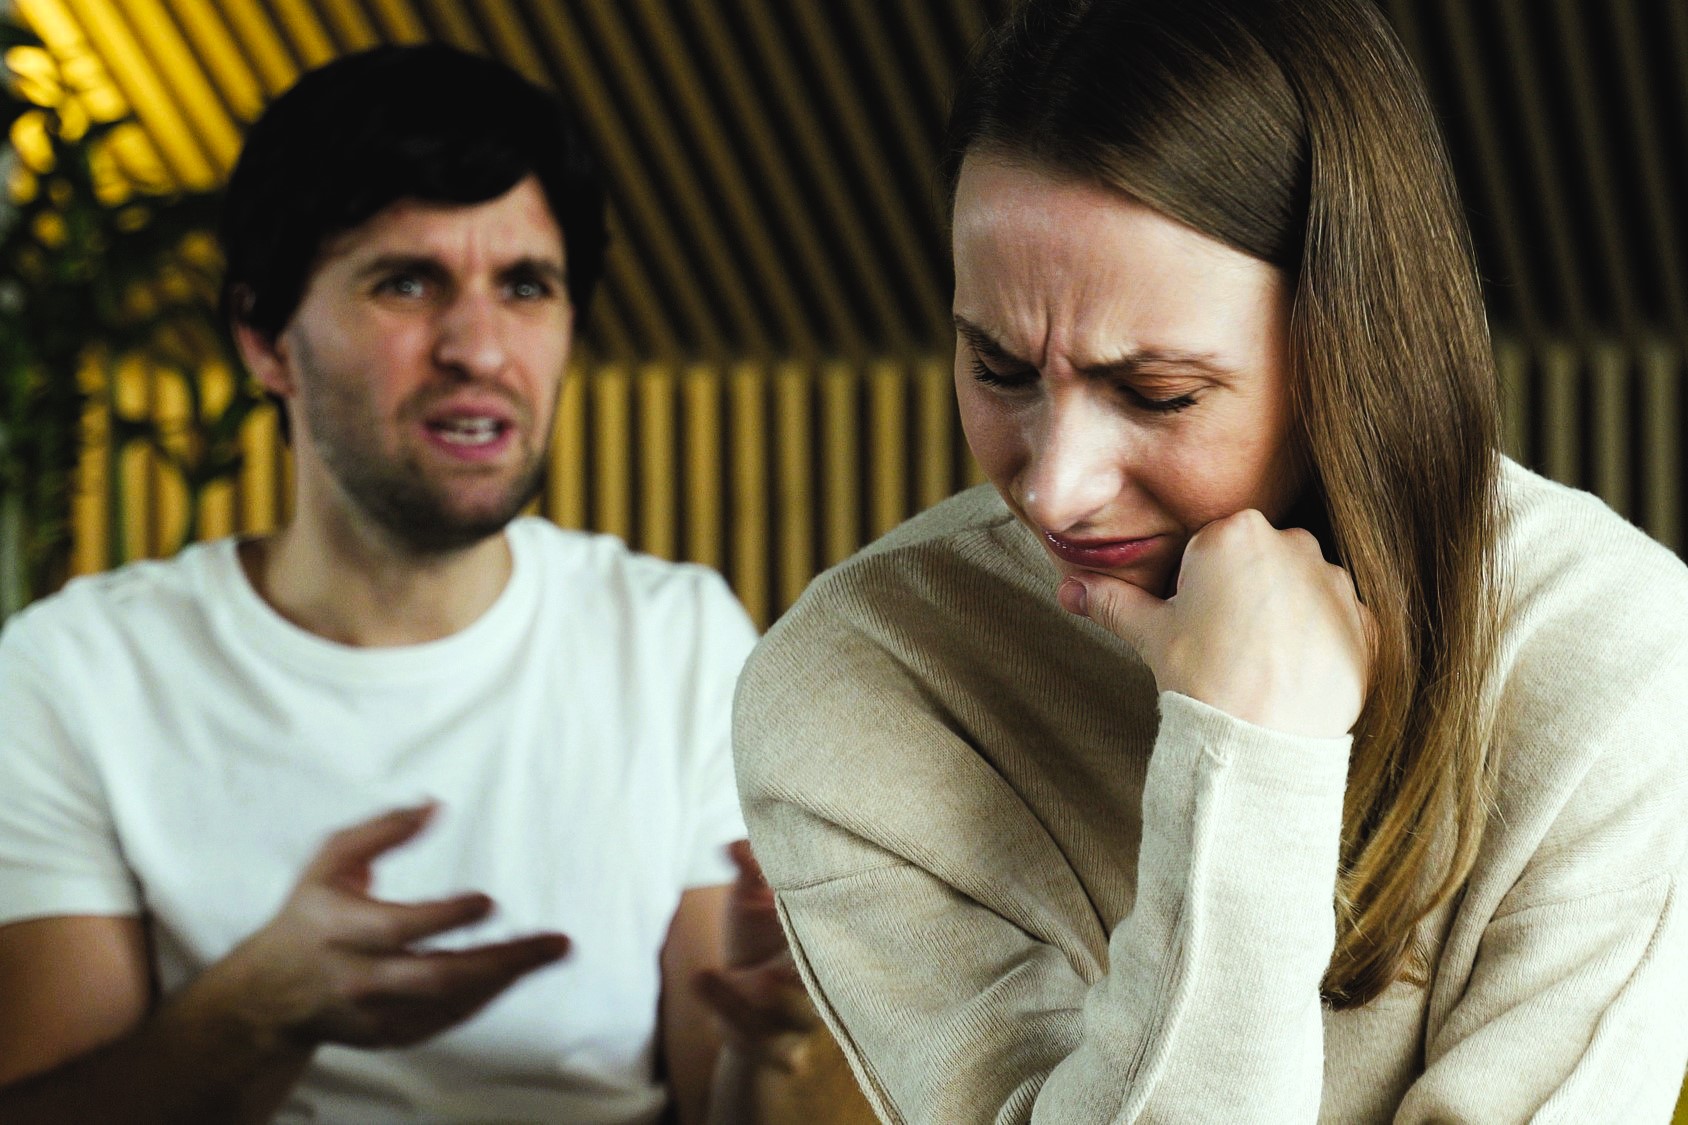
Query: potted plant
{"x": 94, "y": 270}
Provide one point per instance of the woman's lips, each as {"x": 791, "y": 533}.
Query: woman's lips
{"x": 1100, "y": 554}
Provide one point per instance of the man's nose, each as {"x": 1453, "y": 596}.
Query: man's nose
{"x": 469, "y": 338}
{"x": 1075, "y": 467}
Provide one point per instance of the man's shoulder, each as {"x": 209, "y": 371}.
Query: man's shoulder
{"x": 138, "y": 599}
{"x": 598, "y": 570}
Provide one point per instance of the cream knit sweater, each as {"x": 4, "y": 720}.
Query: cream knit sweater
{"x": 1022, "y": 888}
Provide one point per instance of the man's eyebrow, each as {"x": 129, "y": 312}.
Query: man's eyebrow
{"x": 1132, "y": 363}
{"x": 532, "y": 264}
{"x": 402, "y": 263}
{"x": 527, "y": 265}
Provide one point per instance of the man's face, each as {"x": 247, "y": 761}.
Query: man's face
{"x": 422, "y": 368}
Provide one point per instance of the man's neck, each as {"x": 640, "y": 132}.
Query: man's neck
{"x": 357, "y": 587}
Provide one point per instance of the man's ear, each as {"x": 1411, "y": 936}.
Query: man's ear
{"x": 264, "y": 355}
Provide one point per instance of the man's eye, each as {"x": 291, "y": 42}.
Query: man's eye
{"x": 402, "y": 285}
{"x": 529, "y": 290}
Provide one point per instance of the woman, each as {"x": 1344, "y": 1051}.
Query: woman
{"x": 1263, "y": 747}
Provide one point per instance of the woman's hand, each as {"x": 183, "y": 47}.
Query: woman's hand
{"x": 1260, "y": 627}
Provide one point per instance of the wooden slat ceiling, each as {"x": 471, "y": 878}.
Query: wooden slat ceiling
{"x": 772, "y": 161}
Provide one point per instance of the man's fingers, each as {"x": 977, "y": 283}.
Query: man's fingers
{"x": 757, "y": 1004}
{"x": 470, "y": 976}
{"x": 348, "y": 853}
{"x": 382, "y": 927}
{"x": 1130, "y": 613}
{"x": 749, "y": 871}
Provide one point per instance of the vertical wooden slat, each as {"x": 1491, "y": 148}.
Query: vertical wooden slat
{"x": 612, "y": 417}
{"x": 216, "y": 502}
{"x": 228, "y": 67}
{"x": 94, "y": 21}
{"x": 752, "y": 550}
{"x": 131, "y": 396}
{"x": 702, "y": 387}
{"x": 908, "y": 258}
{"x": 1544, "y": 172}
{"x": 90, "y": 549}
{"x": 172, "y": 412}
{"x": 511, "y": 40}
{"x": 270, "y": 55}
{"x": 968, "y": 20}
{"x": 937, "y": 430}
{"x": 672, "y": 166}
{"x": 1609, "y": 472}
{"x": 936, "y": 67}
{"x": 1474, "y": 78}
{"x": 888, "y": 418}
{"x": 840, "y": 459}
{"x": 773, "y": 172}
{"x": 868, "y": 18}
{"x": 703, "y": 120}
{"x": 630, "y": 185}
{"x": 1596, "y": 163}
{"x": 842, "y": 211}
{"x": 659, "y": 508}
{"x": 565, "y": 483}
{"x": 795, "y": 480}
{"x": 305, "y": 31}
{"x": 398, "y": 21}
{"x": 1561, "y": 455}
{"x": 1645, "y": 117}
{"x": 1512, "y": 364}
{"x": 454, "y": 24}
{"x": 1662, "y": 372}
{"x": 349, "y": 25}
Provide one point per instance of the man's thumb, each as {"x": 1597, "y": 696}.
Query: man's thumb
{"x": 1128, "y": 612}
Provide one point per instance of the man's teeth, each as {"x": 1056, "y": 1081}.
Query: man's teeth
{"x": 468, "y": 431}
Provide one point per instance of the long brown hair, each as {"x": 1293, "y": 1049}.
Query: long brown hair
{"x": 1297, "y": 132}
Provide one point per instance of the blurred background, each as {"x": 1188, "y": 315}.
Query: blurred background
{"x": 763, "y": 383}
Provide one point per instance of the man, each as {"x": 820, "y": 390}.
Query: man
{"x": 526, "y": 729}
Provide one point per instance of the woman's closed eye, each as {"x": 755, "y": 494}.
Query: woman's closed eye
{"x": 1023, "y": 379}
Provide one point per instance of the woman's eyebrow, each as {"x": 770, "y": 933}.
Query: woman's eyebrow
{"x": 1136, "y": 362}
{"x": 1132, "y": 363}
{"x": 983, "y": 343}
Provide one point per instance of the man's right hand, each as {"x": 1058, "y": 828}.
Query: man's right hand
{"x": 337, "y": 965}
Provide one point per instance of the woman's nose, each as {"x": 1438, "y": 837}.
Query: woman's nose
{"x": 1075, "y": 466}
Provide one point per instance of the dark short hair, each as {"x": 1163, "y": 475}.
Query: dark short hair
{"x": 424, "y": 122}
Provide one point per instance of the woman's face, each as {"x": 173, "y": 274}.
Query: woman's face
{"x": 1122, "y": 379}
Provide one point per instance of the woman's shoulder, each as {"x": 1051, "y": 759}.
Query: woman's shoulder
{"x": 1578, "y": 575}
{"x": 1592, "y": 684}
{"x": 958, "y": 559}
{"x": 948, "y": 623}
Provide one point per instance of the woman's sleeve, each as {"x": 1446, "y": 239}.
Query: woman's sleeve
{"x": 915, "y": 889}
{"x": 1576, "y": 1005}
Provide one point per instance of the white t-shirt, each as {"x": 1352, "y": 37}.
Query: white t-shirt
{"x": 171, "y": 747}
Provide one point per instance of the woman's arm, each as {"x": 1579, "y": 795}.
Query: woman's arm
{"x": 1562, "y": 988}
{"x": 943, "y": 970}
